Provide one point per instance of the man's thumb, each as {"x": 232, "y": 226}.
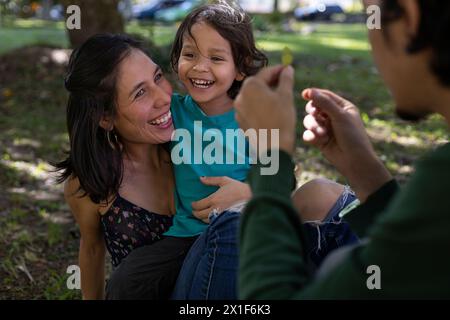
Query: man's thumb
{"x": 286, "y": 82}
{"x": 325, "y": 104}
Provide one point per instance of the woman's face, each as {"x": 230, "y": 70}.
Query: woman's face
{"x": 143, "y": 101}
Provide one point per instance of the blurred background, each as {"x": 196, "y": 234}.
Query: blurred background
{"x": 38, "y": 236}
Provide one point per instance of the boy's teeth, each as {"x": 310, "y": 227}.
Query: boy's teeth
{"x": 162, "y": 120}
{"x": 202, "y": 83}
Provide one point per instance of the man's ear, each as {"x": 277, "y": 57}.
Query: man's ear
{"x": 106, "y": 123}
{"x": 411, "y": 14}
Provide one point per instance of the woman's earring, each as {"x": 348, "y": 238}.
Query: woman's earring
{"x": 108, "y": 137}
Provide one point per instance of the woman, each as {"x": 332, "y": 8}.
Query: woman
{"x": 118, "y": 174}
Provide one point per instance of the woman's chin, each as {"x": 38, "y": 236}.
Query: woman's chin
{"x": 164, "y": 135}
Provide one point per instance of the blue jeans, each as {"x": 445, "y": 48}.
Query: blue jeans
{"x": 209, "y": 271}
{"x": 331, "y": 233}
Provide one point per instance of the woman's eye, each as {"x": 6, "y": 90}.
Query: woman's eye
{"x": 188, "y": 55}
{"x": 158, "y": 77}
{"x": 139, "y": 93}
{"x": 216, "y": 59}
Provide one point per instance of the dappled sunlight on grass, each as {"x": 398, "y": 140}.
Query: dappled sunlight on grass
{"x": 37, "y": 24}
{"x": 342, "y": 43}
{"x": 38, "y": 171}
{"x": 303, "y": 45}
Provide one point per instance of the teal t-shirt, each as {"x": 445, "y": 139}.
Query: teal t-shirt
{"x": 202, "y": 146}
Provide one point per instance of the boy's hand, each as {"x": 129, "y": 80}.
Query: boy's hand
{"x": 230, "y": 192}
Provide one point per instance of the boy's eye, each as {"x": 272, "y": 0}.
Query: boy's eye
{"x": 139, "y": 93}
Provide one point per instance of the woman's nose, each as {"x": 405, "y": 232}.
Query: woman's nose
{"x": 162, "y": 97}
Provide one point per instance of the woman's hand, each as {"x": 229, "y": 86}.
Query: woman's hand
{"x": 230, "y": 192}
{"x": 334, "y": 125}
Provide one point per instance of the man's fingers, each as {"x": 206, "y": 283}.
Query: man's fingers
{"x": 310, "y": 108}
{"x": 310, "y": 123}
{"x": 311, "y": 137}
{"x": 306, "y": 94}
{"x": 336, "y": 98}
{"x": 270, "y": 75}
{"x": 326, "y": 104}
{"x": 286, "y": 82}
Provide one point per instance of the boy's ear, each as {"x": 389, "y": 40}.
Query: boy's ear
{"x": 240, "y": 76}
{"x": 106, "y": 123}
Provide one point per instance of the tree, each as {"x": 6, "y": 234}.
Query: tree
{"x": 97, "y": 16}
{"x": 275, "y": 6}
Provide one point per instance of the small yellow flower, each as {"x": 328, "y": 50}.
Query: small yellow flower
{"x": 286, "y": 56}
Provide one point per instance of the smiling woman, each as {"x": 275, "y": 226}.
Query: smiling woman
{"x": 118, "y": 174}
{"x": 118, "y": 178}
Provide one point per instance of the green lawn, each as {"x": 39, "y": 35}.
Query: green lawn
{"x": 38, "y": 238}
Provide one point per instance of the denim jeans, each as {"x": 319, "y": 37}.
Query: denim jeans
{"x": 331, "y": 233}
{"x": 209, "y": 271}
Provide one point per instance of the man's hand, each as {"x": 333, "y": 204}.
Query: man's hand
{"x": 230, "y": 192}
{"x": 334, "y": 125}
{"x": 266, "y": 101}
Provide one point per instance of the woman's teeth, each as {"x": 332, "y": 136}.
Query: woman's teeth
{"x": 203, "y": 84}
{"x": 162, "y": 120}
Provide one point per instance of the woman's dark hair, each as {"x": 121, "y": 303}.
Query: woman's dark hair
{"x": 95, "y": 155}
{"x": 434, "y": 28}
{"x": 234, "y": 25}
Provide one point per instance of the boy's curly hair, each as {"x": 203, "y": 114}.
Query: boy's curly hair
{"x": 234, "y": 25}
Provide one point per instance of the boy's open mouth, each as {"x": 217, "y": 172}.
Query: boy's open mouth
{"x": 202, "y": 84}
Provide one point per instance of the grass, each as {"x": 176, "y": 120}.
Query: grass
{"x": 38, "y": 237}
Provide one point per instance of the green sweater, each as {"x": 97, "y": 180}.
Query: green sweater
{"x": 409, "y": 234}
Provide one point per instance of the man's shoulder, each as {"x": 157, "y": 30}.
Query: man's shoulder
{"x": 440, "y": 155}
{"x": 433, "y": 170}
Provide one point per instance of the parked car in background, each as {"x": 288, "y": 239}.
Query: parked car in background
{"x": 148, "y": 10}
{"x": 177, "y": 12}
{"x": 318, "y": 11}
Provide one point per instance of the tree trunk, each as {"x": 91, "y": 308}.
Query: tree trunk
{"x": 275, "y": 6}
{"x": 97, "y": 16}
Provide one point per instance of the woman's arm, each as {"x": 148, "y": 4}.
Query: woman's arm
{"x": 92, "y": 246}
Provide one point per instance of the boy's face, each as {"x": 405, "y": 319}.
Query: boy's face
{"x": 207, "y": 68}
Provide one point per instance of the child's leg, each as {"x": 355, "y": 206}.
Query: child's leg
{"x": 314, "y": 199}
{"x": 209, "y": 271}
{"x": 319, "y": 203}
